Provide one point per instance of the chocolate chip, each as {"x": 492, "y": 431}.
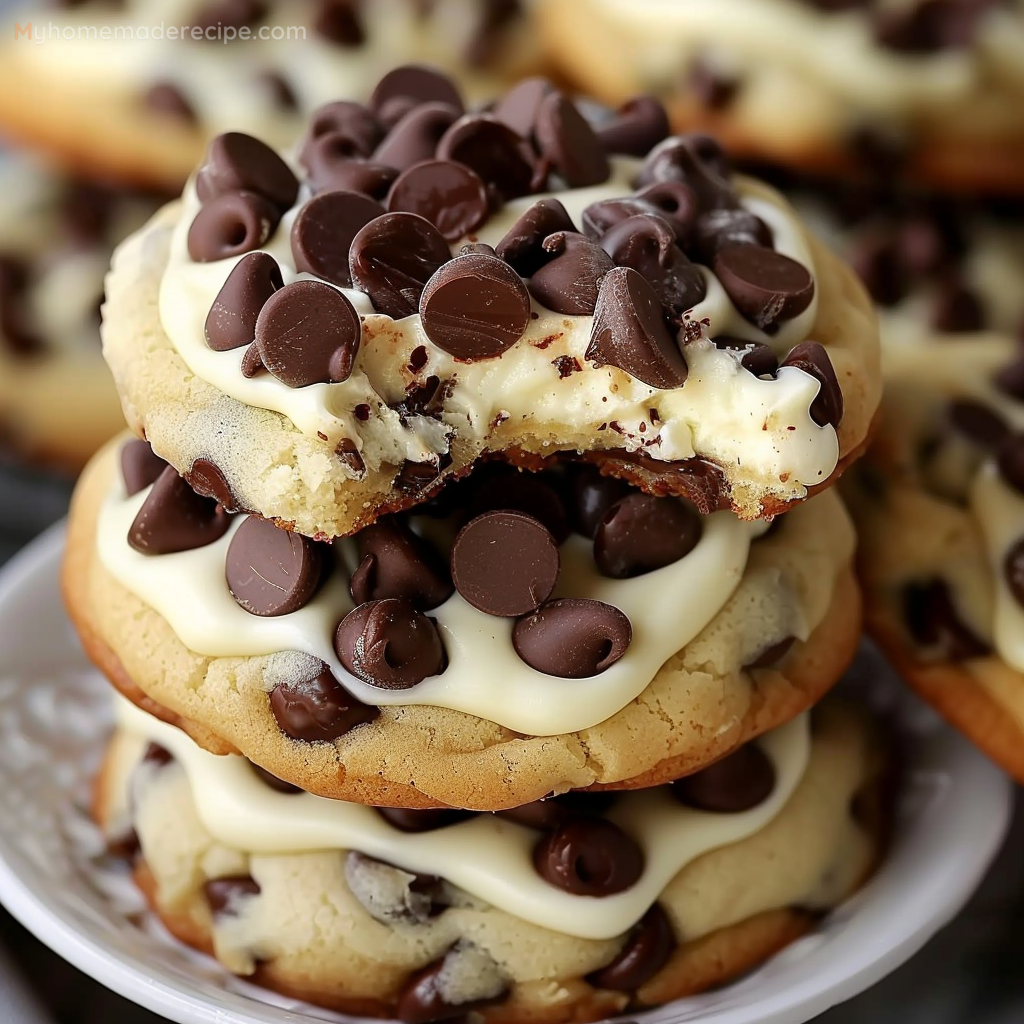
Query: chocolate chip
{"x": 1011, "y": 461}
{"x": 591, "y": 495}
{"x": 1013, "y": 571}
{"x": 773, "y": 653}
{"x": 230, "y": 225}
{"x": 765, "y": 286}
{"x": 716, "y": 229}
{"x": 308, "y": 333}
{"x": 553, "y": 812}
{"x": 676, "y": 203}
{"x": 393, "y": 257}
{"x": 519, "y": 107}
{"x": 415, "y": 477}
{"x": 230, "y": 13}
{"x": 523, "y": 245}
{"x": 395, "y": 563}
{"x": 813, "y": 359}
{"x": 629, "y": 332}
{"x": 452, "y": 197}
{"x": 647, "y": 244}
{"x": 271, "y": 571}
{"x": 157, "y": 756}
{"x": 738, "y": 782}
{"x": 497, "y": 154}
{"x": 979, "y": 423}
{"x": 271, "y": 781}
{"x": 506, "y": 488}
{"x": 571, "y": 280}
{"x": 389, "y": 644}
{"x": 505, "y": 563}
{"x": 485, "y": 46}
{"x": 929, "y": 26}
{"x": 475, "y": 307}
{"x": 174, "y": 518}
{"x": 140, "y": 466}
{"x": 637, "y": 127}
{"x": 323, "y": 232}
{"x": 415, "y": 136}
{"x": 880, "y": 266}
{"x": 239, "y": 163}
{"x": 1010, "y": 379}
{"x": 958, "y": 309}
{"x": 317, "y": 709}
{"x": 646, "y": 951}
{"x": 589, "y": 857}
{"x": 167, "y": 100}
{"x": 696, "y": 160}
{"x": 641, "y": 533}
{"x": 279, "y": 89}
{"x": 934, "y": 623}
{"x": 339, "y": 22}
{"x": 231, "y": 322}
{"x": 422, "y": 1000}
{"x": 714, "y": 87}
{"x": 207, "y": 479}
{"x": 572, "y": 638}
{"x": 568, "y": 142}
{"x": 353, "y": 122}
{"x": 225, "y": 894}
{"x": 422, "y": 84}
{"x": 758, "y": 359}
{"x": 422, "y": 820}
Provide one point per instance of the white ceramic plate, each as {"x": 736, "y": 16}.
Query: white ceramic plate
{"x": 952, "y": 814}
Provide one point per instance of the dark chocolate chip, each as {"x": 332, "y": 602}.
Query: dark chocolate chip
{"x": 323, "y": 232}
{"x": 428, "y": 819}
{"x": 813, "y": 359}
{"x": 509, "y": 489}
{"x": 979, "y": 423}
{"x": 647, "y": 949}
{"x": 572, "y": 638}
{"x": 157, "y": 756}
{"x": 415, "y": 136}
{"x": 1013, "y": 571}
{"x": 675, "y": 202}
{"x": 422, "y": 1000}
{"x": 505, "y": 563}
{"x": 567, "y": 141}
{"x": 738, "y": 782}
{"x": 395, "y": 562}
{"x": 475, "y": 307}
{"x": 1010, "y": 379}
{"x": 339, "y": 22}
{"x": 393, "y": 257}
{"x": 389, "y": 644}
{"x": 207, "y": 479}
{"x": 637, "y": 127}
{"x": 231, "y": 322}
{"x": 519, "y": 107}
{"x": 958, "y": 309}
{"x": 271, "y": 571}
{"x": 140, "y": 466}
{"x": 230, "y": 225}
{"x": 350, "y": 121}
{"x": 415, "y": 477}
{"x": 225, "y": 894}
{"x": 571, "y": 279}
{"x": 589, "y": 857}
{"x": 317, "y": 709}
{"x": 929, "y": 26}
{"x": 629, "y": 332}
{"x": 696, "y": 160}
{"x": 174, "y": 518}
{"x": 239, "y": 163}
{"x": 1011, "y": 461}
{"x": 878, "y": 263}
{"x": 166, "y": 100}
{"x": 522, "y": 248}
{"x": 773, "y": 653}
{"x": 486, "y": 45}
{"x": 308, "y": 333}
{"x": 279, "y": 89}
{"x": 498, "y": 155}
{"x": 271, "y": 781}
{"x": 451, "y": 196}
{"x": 716, "y": 229}
{"x": 765, "y": 286}
{"x": 714, "y": 87}
{"x": 591, "y": 495}
{"x": 553, "y": 812}
{"x": 647, "y": 244}
{"x": 641, "y": 533}
{"x": 759, "y": 359}
{"x": 229, "y": 13}
{"x": 934, "y": 623}
{"x": 415, "y": 82}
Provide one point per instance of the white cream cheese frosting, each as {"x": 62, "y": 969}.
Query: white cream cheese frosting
{"x": 242, "y": 812}
{"x": 667, "y": 609}
{"x": 722, "y": 411}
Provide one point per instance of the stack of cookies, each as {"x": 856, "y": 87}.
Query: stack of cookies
{"x": 475, "y": 577}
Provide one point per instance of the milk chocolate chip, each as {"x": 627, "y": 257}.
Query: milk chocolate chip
{"x": 475, "y": 307}
{"x": 140, "y": 466}
{"x": 572, "y": 638}
{"x": 629, "y": 332}
{"x": 738, "y": 782}
{"x": 589, "y": 857}
{"x": 647, "y": 949}
{"x": 239, "y": 163}
{"x": 389, "y": 644}
{"x": 641, "y": 533}
{"x": 505, "y": 563}
{"x": 231, "y": 322}
{"x": 317, "y": 709}
{"x": 323, "y": 232}
{"x": 230, "y": 225}
{"x": 308, "y": 333}
{"x": 174, "y": 518}
{"x": 271, "y": 571}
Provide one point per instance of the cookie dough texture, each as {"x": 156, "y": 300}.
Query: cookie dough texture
{"x": 914, "y": 525}
{"x": 700, "y": 705}
{"x": 951, "y": 117}
{"x": 306, "y": 934}
{"x": 276, "y": 470}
